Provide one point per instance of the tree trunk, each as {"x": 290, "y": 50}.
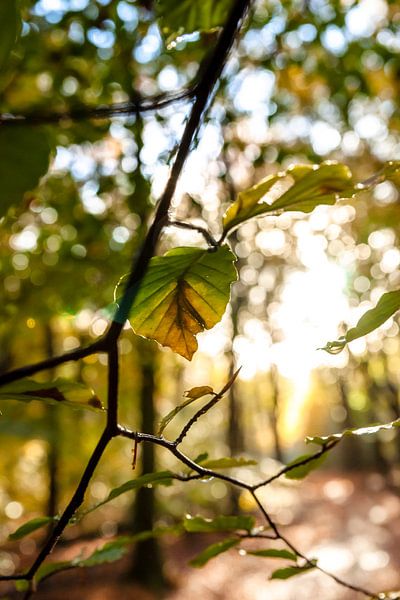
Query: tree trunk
{"x": 53, "y": 455}
{"x": 147, "y": 564}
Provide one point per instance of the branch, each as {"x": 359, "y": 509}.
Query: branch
{"x": 211, "y": 69}
{"x": 202, "y": 411}
{"x": 212, "y": 242}
{"x": 308, "y": 459}
{"x": 49, "y": 363}
{"x": 107, "y": 111}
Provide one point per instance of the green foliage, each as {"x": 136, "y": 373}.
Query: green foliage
{"x": 10, "y": 25}
{"x": 306, "y": 463}
{"x": 387, "y": 306}
{"x": 214, "y": 550}
{"x": 150, "y": 479}
{"x": 200, "y": 524}
{"x": 24, "y": 159}
{"x": 301, "y": 187}
{"x": 183, "y": 293}
{"x": 274, "y": 553}
{"x": 372, "y": 429}
{"x": 288, "y": 572}
{"x": 76, "y": 395}
{"x": 227, "y": 462}
{"x": 30, "y": 527}
{"x": 188, "y": 16}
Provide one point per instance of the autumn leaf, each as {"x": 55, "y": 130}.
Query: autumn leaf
{"x": 183, "y": 293}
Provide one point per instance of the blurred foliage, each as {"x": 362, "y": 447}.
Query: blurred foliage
{"x": 309, "y": 81}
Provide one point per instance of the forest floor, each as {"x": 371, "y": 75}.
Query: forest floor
{"x": 351, "y": 523}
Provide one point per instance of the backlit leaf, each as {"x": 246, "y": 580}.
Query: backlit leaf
{"x": 273, "y": 553}
{"x": 183, "y": 293}
{"x": 31, "y": 526}
{"x": 227, "y": 463}
{"x": 24, "y": 159}
{"x": 59, "y": 391}
{"x": 323, "y": 440}
{"x": 10, "y": 25}
{"x": 150, "y": 479}
{"x": 304, "y": 468}
{"x": 192, "y": 395}
{"x": 288, "y": 572}
{"x": 200, "y": 524}
{"x": 387, "y": 306}
{"x": 213, "y": 550}
{"x": 301, "y": 187}
{"x": 187, "y": 16}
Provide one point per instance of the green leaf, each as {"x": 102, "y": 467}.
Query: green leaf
{"x": 24, "y": 159}
{"x": 227, "y": 463}
{"x": 21, "y": 585}
{"x": 150, "y": 479}
{"x": 302, "y": 470}
{"x": 200, "y": 524}
{"x": 31, "y": 526}
{"x": 388, "y": 304}
{"x": 192, "y": 395}
{"x": 272, "y": 553}
{"x": 183, "y": 293}
{"x": 213, "y": 550}
{"x": 300, "y": 188}
{"x": 10, "y": 26}
{"x": 288, "y": 572}
{"x": 187, "y": 16}
{"x": 49, "y": 569}
{"x": 110, "y": 552}
{"x": 323, "y": 440}
{"x": 58, "y": 391}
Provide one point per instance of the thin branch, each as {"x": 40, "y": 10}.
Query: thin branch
{"x": 49, "y": 363}
{"x": 305, "y": 461}
{"x": 206, "y": 234}
{"x": 210, "y": 69}
{"x": 107, "y": 111}
{"x": 202, "y": 411}
{"x": 113, "y": 380}
{"x": 202, "y": 471}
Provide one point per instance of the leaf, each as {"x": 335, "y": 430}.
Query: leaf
{"x": 227, "y": 463}
{"x": 273, "y": 553}
{"x": 199, "y": 392}
{"x": 323, "y": 440}
{"x": 10, "y": 26}
{"x": 183, "y": 293}
{"x": 159, "y": 478}
{"x": 24, "y": 159}
{"x": 304, "y": 469}
{"x": 188, "y": 16}
{"x": 49, "y": 569}
{"x": 192, "y": 395}
{"x": 200, "y": 524}
{"x": 31, "y": 526}
{"x": 59, "y": 391}
{"x": 213, "y": 550}
{"x": 288, "y": 572}
{"x": 301, "y": 187}
{"x": 110, "y": 552}
{"x": 388, "y": 304}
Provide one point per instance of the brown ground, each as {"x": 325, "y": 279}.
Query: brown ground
{"x": 351, "y": 523}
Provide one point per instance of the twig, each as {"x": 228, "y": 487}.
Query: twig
{"x": 49, "y": 363}
{"x": 107, "y": 111}
{"x": 305, "y": 461}
{"x": 206, "y": 234}
{"x": 202, "y": 411}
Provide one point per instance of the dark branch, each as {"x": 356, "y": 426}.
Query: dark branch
{"x": 300, "y": 463}
{"x": 85, "y": 113}
{"x": 206, "y": 234}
